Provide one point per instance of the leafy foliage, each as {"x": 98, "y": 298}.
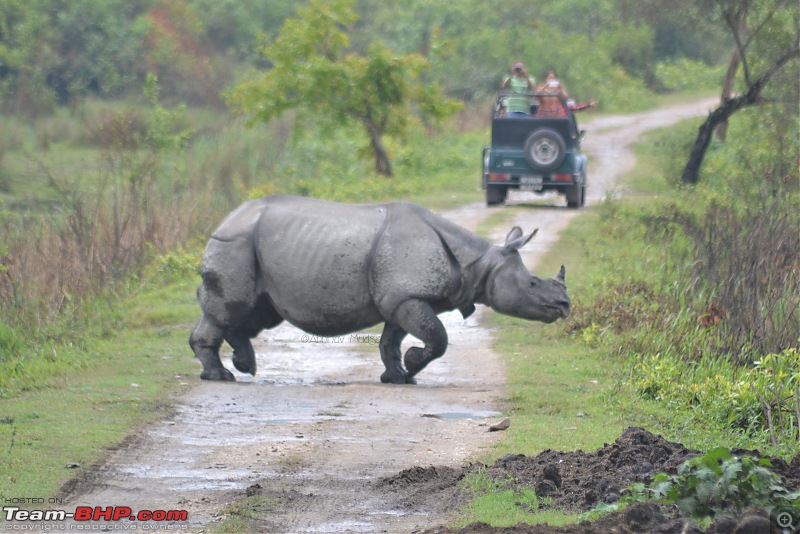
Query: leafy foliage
{"x": 717, "y": 483}
{"x": 713, "y": 484}
{"x": 52, "y": 51}
{"x": 315, "y": 72}
{"x": 55, "y": 52}
{"x": 688, "y": 75}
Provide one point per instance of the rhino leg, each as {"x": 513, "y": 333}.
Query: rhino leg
{"x": 244, "y": 357}
{"x": 262, "y": 316}
{"x": 389, "y": 346}
{"x": 418, "y": 319}
{"x": 205, "y": 341}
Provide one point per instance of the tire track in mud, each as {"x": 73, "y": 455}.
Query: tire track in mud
{"x": 315, "y": 432}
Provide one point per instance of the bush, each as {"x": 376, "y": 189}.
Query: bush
{"x": 689, "y": 75}
{"x": 718, "y": 483}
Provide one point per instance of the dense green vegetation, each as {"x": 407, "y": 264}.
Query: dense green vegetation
{"x": 315, "y": 73}
{"x": 59, "y": 52}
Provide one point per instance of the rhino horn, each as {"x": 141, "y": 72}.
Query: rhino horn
{"x": 518, "y": 242}
{"x": 561, "y": 274}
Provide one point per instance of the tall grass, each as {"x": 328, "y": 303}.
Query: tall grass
{"x": 698, "y": 290}
{"x": 72, "y": 259}
{"x": 747, "y": 259}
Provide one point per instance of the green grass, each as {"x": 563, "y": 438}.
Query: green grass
{"x": 557, "y": 390}
{"x": 499, "y": 506}
{"x": 130, "y": 379}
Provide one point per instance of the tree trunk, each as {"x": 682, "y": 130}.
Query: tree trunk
{"x": 383, "y": 164}
{"x": 691, "y": 172}
{"x": 730, "y": 74}
{"x": 727, "y": 88}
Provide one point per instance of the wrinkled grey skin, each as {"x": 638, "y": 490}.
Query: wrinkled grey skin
{"x": 332, "y": 269}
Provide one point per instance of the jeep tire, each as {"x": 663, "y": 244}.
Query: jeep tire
{"x": 576, "y": 195}
{"x": 496, "y": 195}
{"x": 545, "y": 150}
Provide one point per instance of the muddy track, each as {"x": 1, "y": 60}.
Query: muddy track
{"x": 318, "y": 436}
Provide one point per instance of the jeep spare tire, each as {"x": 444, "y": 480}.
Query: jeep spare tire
{"x": 545, "y": 149}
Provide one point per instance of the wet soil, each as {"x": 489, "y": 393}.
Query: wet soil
{"x": 318, "y": 444}
{"x": 577, "y": 481}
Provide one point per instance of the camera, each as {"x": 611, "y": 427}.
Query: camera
{"x": 517, "y": 69}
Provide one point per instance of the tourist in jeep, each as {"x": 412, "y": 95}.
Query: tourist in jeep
{"x": 520, "y": 83}
{"x": 551, "y": 105}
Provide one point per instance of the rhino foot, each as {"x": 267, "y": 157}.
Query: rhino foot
{"x": 218, "y": 373}
{"x": 415, "y": 360}
{"x": 245, "y": 362}
{"x": 244, "y": 357}
{"x": 397, "y": 378}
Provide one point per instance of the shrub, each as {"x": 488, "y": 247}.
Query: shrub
{"x": 717, "y": 483}
{"x": 686, "y": 74}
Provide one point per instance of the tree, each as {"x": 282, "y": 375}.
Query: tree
{"x": 57, "y": 51}
{"x": 315, "y": 73}
{"x": 766, "y": 34}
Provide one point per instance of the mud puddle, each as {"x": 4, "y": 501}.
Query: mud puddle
{"x": 316, "y": 439}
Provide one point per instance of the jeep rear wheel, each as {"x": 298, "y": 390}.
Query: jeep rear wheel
{"x": 496, "y": 195}
{"x": 576, "y": 196}
{"x": 545, "y": 150}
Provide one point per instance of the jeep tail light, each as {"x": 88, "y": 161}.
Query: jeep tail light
{"x": 562, "y": 177}
{"x": 498, "y": 177}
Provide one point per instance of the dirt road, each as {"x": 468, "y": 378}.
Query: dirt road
{"x": 317, "y": 436}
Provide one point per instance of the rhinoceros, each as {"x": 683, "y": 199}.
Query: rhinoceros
{"x": 332, "y": 269}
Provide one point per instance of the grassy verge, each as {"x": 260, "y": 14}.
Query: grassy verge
{"x": 49, "y": 435}
{"x": 501, "y": 506}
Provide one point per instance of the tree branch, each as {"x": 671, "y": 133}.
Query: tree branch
{"x": 691, "y": 171}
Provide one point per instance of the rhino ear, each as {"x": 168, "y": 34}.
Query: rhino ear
{"x": 561, "y": 274}
{"x": 519, "y": 242}
{"x": 515, "y": 233}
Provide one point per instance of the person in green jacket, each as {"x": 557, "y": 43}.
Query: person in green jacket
{"x": 518, "y": 81}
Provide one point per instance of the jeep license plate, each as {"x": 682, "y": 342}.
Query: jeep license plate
{"x": 530, "y": 183}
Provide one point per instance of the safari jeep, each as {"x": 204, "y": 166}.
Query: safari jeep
{"x": 534, "y": 153}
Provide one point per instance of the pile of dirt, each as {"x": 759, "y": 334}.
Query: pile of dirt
{"x": 578, "y": 481}
{"x": 641, "y": 518}
{"x": 425, "y": 489}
